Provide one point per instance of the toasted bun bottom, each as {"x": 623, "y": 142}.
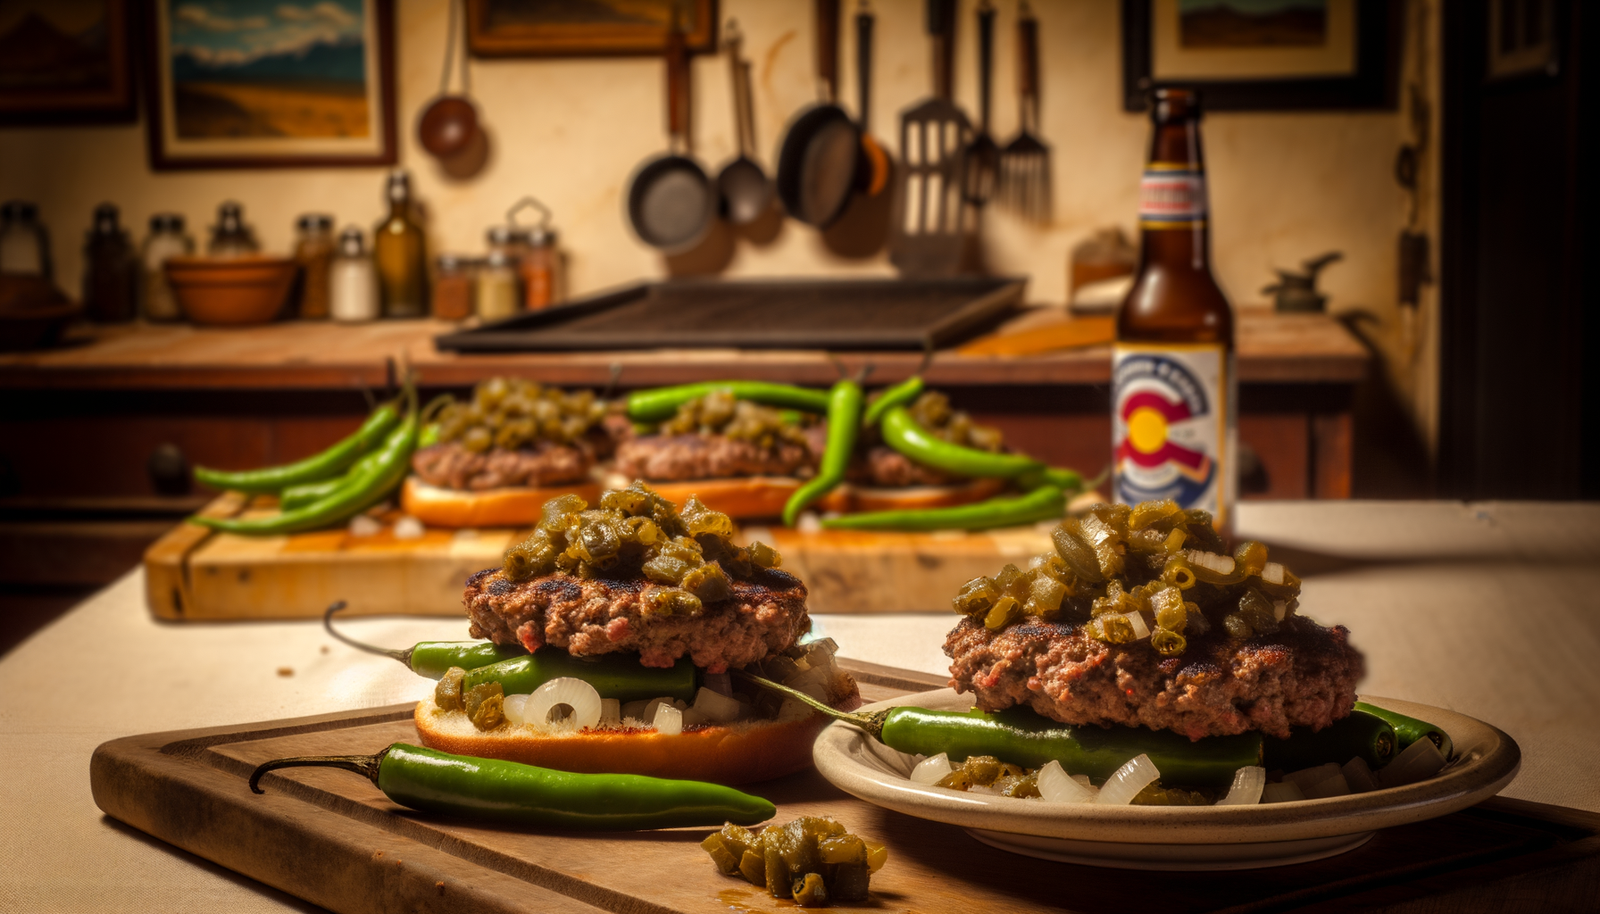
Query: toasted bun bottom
{"x": 744, "y": 498}
{"x": 738, "y": 753}
{"x": 516, "y": 506}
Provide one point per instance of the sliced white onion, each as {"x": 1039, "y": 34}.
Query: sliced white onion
{"x": 1056, "y": 787}
{"x": 1420, "y": 760}
{"x": 1359, "y": 776}
{"x": 680, "y": 704}
{"x": 1332, "y": 784}
{"x": 1248, "y": 782}
{"x": 513, "y": 707}
{"x": 930, "y": 770}
{"x": 1272, "y": 573}
{"x": 1126, "y": 782}
{"x": 813, "y": 682}
{"x": 1280, "y": 609}
{"x": 1306, "y": 777}
{"x": 634, "y": 710}
{"x": 693, "y": 718}
{"x": 1283, "y": 792}
{"x": 721, "y": 683}
{"x": 809, "y": 522}
{"x": 988, "y": 789}
{"x": 566, "y": 690}
{"x": 1083, "y": 779}
{"x": 1221, "y": 564}
{"x": 1135, "y": 618}
{"x": 610, "y": 712}
{"x": 715, "y": 706}
{"x": 362, "y": 525}
{"x": 408, "y": 528}
{"x": 654, "y": 705}
{"x": 668, "y": 720}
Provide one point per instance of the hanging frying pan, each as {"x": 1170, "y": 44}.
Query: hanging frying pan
{"x": 822, "y": 150}
{"x": 671, "y": 201}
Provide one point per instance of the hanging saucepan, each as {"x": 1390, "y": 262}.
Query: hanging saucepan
{"x": 449, "y": 123}
{"x": 820, "y": 155}
{"x": 671, "y": 201}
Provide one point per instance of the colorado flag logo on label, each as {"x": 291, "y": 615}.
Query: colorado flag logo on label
{"x": 1169, "y": 424}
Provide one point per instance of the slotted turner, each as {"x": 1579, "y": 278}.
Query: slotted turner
{"x": 1025, "y": 161}
{"x": 932, "y": 217}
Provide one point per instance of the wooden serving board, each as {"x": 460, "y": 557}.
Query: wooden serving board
{"x": 333, "y": 839}
{"x": 195, "y": 573}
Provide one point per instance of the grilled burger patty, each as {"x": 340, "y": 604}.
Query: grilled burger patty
{"x": 591, "y": 616}
{"x": 543, "y": 463}
{"x": 1302, "y": 676}
{"x": 696, "y": 456}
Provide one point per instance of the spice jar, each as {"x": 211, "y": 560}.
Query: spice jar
{"x": 353, "y": 280}
{"x": 313, "y": 252}
{"x": 540, "y": 265}
{"x": 111, "y": 272}
{"x": 166, "y": 239}
{"x": 498, "y": 294}
{"x": 452, "y": 288}
{"x": 24, "y": 244}
{"x": 231, "y": 237}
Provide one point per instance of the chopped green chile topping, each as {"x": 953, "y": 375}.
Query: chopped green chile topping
{"x": 1151, "y": 571}
{"x": 511, "y": 413}
{"x": 447, "y": 694}
{"x": 721, "y": 413}
{"x": 637, "y": 533}
{"x": 811, "y": 860}
{"x": 932, "y": 411}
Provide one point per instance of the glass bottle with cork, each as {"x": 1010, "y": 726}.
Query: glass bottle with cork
{"x": 166, "y": 239}
{"x": 1174, "y": 402}
{"x": 401, "y": 253}
{"x": 111, "y": 274}
{"x": 231, "y": 236}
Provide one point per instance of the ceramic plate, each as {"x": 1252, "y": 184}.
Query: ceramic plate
{"x": 1182, "y": 838}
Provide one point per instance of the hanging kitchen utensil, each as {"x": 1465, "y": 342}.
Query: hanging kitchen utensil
{"x": 872, "y": 176}
{"x": 983, "y": 155}
{"x": 449, "y": 123}
{"x": 1025, "y": 161}
{"x": 671, "y": 200}
{"x": 932, "y": 218}
{"x": 822, "y": 150}
{"x": 744, "y": 189}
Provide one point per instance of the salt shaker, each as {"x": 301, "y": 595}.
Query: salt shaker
{"x": 353, "y": 282}
{"x": 166, "y": 239}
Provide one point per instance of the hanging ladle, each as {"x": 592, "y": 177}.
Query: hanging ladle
{"x": 449, "y": 123}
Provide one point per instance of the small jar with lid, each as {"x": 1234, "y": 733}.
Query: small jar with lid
{"x": 314, "y": 250}
{"x": 111, "y": 272}
{"x": 452, "y": 288}
{"x": 499, "y": 293}
{"x": 166, "y": 239}
{"x": 24, "y": 244}
{"x": 231, "y": 237}
{"x": 540, "y": 263}
{"x": 353, "y": 280}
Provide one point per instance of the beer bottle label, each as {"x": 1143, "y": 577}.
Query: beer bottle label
{"x": 1172, "y": 425}
{"x": 1172, "y": 195}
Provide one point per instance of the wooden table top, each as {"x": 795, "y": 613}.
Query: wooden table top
{"x": 1273, "y": 349}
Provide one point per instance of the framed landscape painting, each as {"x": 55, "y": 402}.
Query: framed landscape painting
{"x": 265, "y": 83}
{"x": 65, "y": 61}
{"x": 576, "y": 28}
{"x": 1263, "y": 55}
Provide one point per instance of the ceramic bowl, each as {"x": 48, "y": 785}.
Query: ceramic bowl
{"x": 231, "y": 290}
{"x": 1173, "y": 838}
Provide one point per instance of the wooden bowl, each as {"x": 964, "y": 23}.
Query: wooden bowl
{"x": 230, "y": 290}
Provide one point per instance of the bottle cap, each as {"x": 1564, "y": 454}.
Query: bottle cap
{"x": 318, "y": 221}
{"x": 352, "y": 243}
{"x": 105, "y": 219}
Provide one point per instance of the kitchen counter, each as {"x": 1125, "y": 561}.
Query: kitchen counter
{"x": 1486, "y": 609}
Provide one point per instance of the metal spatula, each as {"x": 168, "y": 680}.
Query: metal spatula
{"x": 1025, "y": 161}
{"x": 932, "y": 217}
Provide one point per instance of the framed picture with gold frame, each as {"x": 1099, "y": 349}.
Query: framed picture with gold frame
{"x": 270, "y": 84}
{"x": 1264, "y": 55}
{"x": 65, "y": 62}
{"x": 556, "y": 28}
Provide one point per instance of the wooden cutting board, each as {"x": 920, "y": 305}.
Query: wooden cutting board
{"x": 331, "y": 838}
{"x": 193, "y": 573}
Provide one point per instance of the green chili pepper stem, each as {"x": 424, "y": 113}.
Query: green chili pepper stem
{"x": 365, "y": 765}
{"x": 897, "y": 395}
{"x": 844, "y": 421}
{"x": 327, "y": 623}
{"x": 661, "y": 403}
{"x": 1045, "y": 503}
{"x": 901, "y": 432}
{"x": 871, "y": 723}
{"x": 323, "y": 465}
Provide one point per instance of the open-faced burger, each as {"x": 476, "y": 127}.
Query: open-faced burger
{"x": 500, "y": 456}
{"x": 634, "y": 615}
{"x": 882, "y": 478}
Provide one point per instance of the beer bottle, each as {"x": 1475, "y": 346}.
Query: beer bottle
{"x": 401, "y": 254}
{"x": 1174, "y": 403}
